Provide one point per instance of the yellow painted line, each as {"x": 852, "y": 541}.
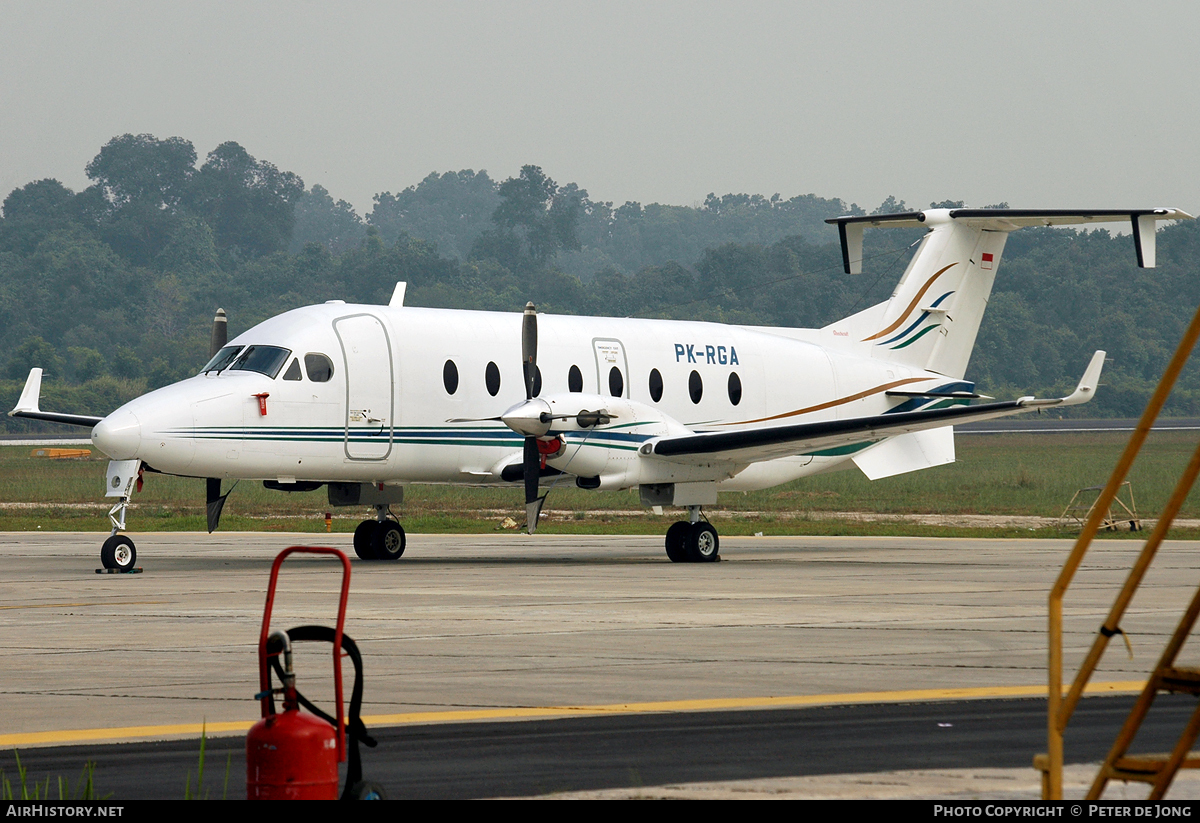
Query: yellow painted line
{"x": 120, "y": 733}
{"x": 718, "y": 703}
{"x": 519, "y": 713}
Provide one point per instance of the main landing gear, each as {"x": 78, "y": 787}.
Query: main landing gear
{"x": 691, "y": 541}
{"x": 381, "y": 538}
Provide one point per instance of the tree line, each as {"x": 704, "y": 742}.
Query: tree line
{"x": 111, "y": 289}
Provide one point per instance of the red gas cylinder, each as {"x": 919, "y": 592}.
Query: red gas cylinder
{"x": 292, "y": 756}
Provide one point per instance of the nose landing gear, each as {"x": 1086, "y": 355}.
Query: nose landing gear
{"x": 118, "y": 554}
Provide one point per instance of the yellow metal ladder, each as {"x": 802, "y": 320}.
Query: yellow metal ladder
{"x": 1158, "y": 770}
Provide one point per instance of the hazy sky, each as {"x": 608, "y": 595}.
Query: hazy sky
{"x": 1079, "y": 104}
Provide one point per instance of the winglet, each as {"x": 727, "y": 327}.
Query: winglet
{"x": 31, "y": 394}
{"x": 1087, "y": 384}
{"x": 1084, "y": 392}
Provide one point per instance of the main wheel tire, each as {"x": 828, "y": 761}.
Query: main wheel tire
{"x": 703, "y": 543}
{"x": 364, "y": 538}
{"x": 118, "y": 553}
{"x": 388, "y": 541}
{"x": 677, "y": 537}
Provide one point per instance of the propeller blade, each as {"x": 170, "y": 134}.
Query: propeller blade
{"x": 532, "y": 468}
{"x": 531, "y": 463}
{"x": 216, "y": 502}
{"x": 532, "y": 512}
{"x": 529, "y": 348}
{"x": 220, "y": 335}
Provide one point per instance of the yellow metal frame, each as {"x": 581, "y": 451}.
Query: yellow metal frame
{"x": 1060, "y": 707}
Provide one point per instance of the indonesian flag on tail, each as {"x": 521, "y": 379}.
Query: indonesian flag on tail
{"x": 988, "y": 259}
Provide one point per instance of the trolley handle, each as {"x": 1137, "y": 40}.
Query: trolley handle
{"x": 264, "y": 675}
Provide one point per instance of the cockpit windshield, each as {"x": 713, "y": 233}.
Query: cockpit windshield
{"x": 221, "y": 359}
{"x": 266, "y": 360}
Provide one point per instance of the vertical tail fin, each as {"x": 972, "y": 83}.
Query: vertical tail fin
{"x": 932, "y": 318}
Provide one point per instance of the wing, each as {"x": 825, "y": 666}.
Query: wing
{"x": 27, "y": 406}
{"x": 753, "y": 445}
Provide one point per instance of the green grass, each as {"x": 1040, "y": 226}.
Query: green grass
{"x": 201, "y": 792}
{"x": 85, "y": 787}
{"x": 1010, "y": 474}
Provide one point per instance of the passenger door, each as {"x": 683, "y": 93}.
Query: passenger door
{"x": 370, "y": 386}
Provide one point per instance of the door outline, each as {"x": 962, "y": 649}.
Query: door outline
{"x": 602, "y": 373}
{"x": 390, "y": 423}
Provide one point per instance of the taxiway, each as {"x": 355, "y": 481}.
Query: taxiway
{"x": 512, "y": 627}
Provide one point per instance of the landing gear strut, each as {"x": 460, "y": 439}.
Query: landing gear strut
{"x": 691, "y": 541}
{"x": 379, "y": 539}
{"x": 118, "y": 552}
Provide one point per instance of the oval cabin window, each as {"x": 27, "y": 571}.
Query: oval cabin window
{"x": 575, "y": 379}
{"x": 735, "y": 388}
{"x": 491, "y": 379}
{"x": 616, "y": 383}
{"x": 450, "y": 377}
{"x": 695, "y": 386}
{"x": 656, "y": 385}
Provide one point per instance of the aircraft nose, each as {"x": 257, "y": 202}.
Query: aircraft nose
{"x": 118, "y": 435}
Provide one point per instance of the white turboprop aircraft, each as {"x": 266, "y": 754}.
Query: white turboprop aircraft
{"x": 367, "y": 399}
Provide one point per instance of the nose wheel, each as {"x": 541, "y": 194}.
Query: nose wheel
{"x": 118, "y": 553}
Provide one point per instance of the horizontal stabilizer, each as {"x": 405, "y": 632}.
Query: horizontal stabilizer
{"x": 1143, "y": 223}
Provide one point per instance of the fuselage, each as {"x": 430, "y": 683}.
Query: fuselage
{"x": 358, "y": 393}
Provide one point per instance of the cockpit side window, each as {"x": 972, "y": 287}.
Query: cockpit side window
{"x": 222, "y": 359}
{"x": 266, "y": 360}
{"x": 319, "y": 367}
{"x": 293, "y": 371}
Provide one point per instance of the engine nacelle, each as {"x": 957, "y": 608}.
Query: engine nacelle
{"x": 601, "y": 436}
